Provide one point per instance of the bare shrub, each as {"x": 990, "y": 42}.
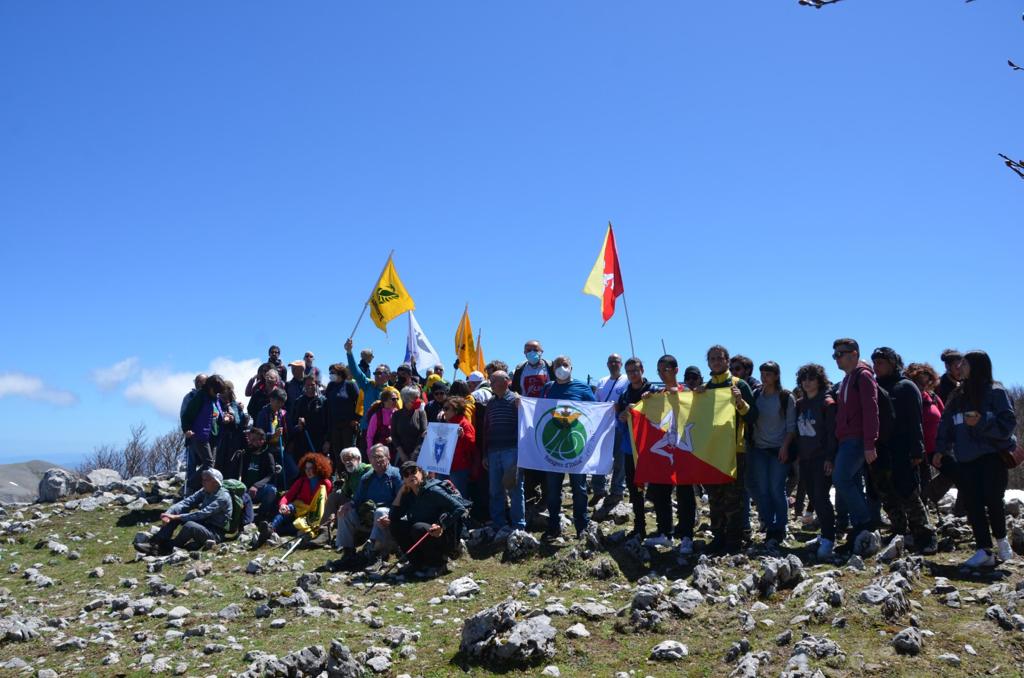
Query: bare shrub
{"x": 139, "y": 456}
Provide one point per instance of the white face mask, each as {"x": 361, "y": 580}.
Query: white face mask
{"x": 562, "y": 372}
{"x": 335, "y": 377}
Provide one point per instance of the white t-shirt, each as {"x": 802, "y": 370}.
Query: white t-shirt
{"x": 609, "y": 390}
{"x": 533, "y": 379}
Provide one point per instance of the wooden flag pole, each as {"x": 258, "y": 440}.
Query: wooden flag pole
{"x": 372, "y": 290}
{"x": 664, "y": 351}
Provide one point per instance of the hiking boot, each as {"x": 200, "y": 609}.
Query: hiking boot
{"x": 595, "y": 499}
{"x": 264, "y": 535}
{"x": 551, "y": 537}
{"x": 145, "y": 548}
{"x": 930, "y": 547}
{"x": 208, "y": 545}
{"x": 1004, "y": 553}
{"x": 981, "y": 558}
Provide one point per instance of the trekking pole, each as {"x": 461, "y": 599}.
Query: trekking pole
{"x": 405, "y": 556}
{"x": 294, "y": 545}
{"x": 309, "y": 440}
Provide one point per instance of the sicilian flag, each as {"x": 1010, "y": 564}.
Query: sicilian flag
{"x": 605, "y": 279}
{"x": 685, "y": 438}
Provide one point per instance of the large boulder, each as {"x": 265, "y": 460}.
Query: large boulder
{"x": 494, "y": 637}
{"x": 56, "y": 484}
{"x": 103, "y": 478}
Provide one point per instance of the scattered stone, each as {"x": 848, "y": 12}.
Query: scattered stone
{"x": 56, "y": 484}
{"x": 750, "y": 665}
{"x": 816, "y": 647}
{"x": 669, "y": 650}
{"x": 908, "y": 641}
{"x": 577, "y": 630}
{"x": 255, "y": 566}
{"x": 493, "y": 636}
{"x": 463, "y": 587}
{"x": 950, "y": 658}
{"x": 551, "y": 670}
{"x": 179, "y": 612}
{"x": 706, "y": 579}
{"x": 231, "y": 612}
{"x": 72, "y": 643}
{"x": 778, "y": 573}
{"x": 309, "y": 581}
{"x": 592, "y": 611}
{"x": 519, "y": 546}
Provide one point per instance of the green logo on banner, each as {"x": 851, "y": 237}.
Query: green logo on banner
{"x": 386, "y": 295}
{"x": 562, "y": 434}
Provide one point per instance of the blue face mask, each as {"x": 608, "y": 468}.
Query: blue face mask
{"x": 533, "y": 357}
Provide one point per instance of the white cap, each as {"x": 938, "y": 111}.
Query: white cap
{"x": 475, "y": 377}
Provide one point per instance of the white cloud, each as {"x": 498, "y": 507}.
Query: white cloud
{"x": 164, "y": 389}
{"x": 108, "y": 378}
{"x": 21, "y": 385}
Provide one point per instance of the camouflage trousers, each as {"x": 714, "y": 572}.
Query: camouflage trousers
{"x": 907, "y": 514}
{"x": 728, "y": 506}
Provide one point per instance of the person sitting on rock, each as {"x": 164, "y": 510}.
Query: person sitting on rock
{"x": 357, "y": 518}
{"x": 428, "y": 509}
{"x": 351, "y": 473}
{"x": 202, "y": 516}
{"x": 258, "y": 469}
{"x": 302, "y": 506}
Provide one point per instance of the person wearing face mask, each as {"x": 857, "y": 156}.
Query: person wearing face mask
{"x": 370, "y": 389}
{"x": 342, "y": 422}
{"x": 528, "y": 379}
{"x": 564, "y": 387}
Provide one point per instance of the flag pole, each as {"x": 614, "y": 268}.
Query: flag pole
{"x": 372, "y": 290}
{"x": 629, "y": 327}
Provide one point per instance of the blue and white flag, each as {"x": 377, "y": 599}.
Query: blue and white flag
{"x": 418, "y": 347}
{"x": 566, "y": 436}
{"x": 438, "y": 448}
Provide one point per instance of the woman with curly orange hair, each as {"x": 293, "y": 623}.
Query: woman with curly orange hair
{"x": 302, "y": 507}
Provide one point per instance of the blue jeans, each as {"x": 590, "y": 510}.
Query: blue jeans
{"x": 766, "y": 482}
{"x": 266, "y": 498}
{"x": 498, "y": 463}
{"x": 848, "y": 480}
{"x": 578, "y": 485}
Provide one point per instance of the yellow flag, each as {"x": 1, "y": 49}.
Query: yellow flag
{"x": 390, "y": 299}
{"x": 464, "y": 349}
{"x": 479, "y": 362}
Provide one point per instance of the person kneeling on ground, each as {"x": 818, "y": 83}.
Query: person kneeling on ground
{"x": 302, "y": 506}
{"x": 428, "y": 510}
{"x": 202, "y": 517}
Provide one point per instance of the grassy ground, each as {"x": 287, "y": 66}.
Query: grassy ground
{"x": 865, "y": 639}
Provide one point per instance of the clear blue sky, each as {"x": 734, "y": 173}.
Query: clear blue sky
{"x": 182, "y": 183}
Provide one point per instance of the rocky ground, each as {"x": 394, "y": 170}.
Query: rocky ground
{"x": 76, "y": 598}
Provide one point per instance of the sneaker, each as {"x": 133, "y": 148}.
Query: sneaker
{"x": 686, "y": 547}
{"x": 1003, "y": 551}
{"x": 824, "y": 551}
{"x": 981, "y": 558}
{"x": 658, "y": 539}
{"x": 208, "y": 545}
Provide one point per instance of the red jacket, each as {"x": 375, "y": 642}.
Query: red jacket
{"x": 465, "y": 448}
{"x": 857, "y": 417}
{"x": 301, "y": 490}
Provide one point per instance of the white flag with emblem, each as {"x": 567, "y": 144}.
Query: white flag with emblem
{"x": 418, "y": 347}
{"x": 566, "y": 436}
{"x": 438, "y": 448}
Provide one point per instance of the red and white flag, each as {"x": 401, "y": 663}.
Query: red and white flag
{"x": 605, "y": 280}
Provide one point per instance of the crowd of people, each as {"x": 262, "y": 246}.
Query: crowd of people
{"x": 341, "y": 458}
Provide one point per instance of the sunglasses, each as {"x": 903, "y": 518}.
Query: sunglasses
{"x": 836, "y": 355}
{"x": 408, "y": 472}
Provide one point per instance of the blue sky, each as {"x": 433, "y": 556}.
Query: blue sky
{"x": 184, "y": 184}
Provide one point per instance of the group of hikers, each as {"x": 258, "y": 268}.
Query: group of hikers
{"x": 306, "y": 459}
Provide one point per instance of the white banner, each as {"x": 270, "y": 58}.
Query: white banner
{"x": 566, "y": 436}
{"x": 438, "y": 448}
{"x": 418, "y": 347}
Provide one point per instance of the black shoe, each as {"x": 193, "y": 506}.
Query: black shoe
{"x": 595, "y": 499}
{"x": 264, "y": 535}
{"x": 550, "y": 537}
{"x": 145, "y": 548}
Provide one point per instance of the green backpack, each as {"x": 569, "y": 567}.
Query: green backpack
{"x": 237, "y": 490}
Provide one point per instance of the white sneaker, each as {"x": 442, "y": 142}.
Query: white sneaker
{"x": 686, "y": 547}
{"x": 658, "y": 540}
{"x": 1003, "y": 551}
{"x": 824, "y": 549}
{"x": 981, "y": 558}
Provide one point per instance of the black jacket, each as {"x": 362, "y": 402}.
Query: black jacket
{"x": 907, "y": 439}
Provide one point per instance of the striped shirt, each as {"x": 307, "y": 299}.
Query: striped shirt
{"x": 501, "y": 421}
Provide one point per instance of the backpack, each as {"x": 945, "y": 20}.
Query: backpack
{"x": 456, "y": 519}
{"x": 886, "y": 409}
{"x": 237, "y": 490}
